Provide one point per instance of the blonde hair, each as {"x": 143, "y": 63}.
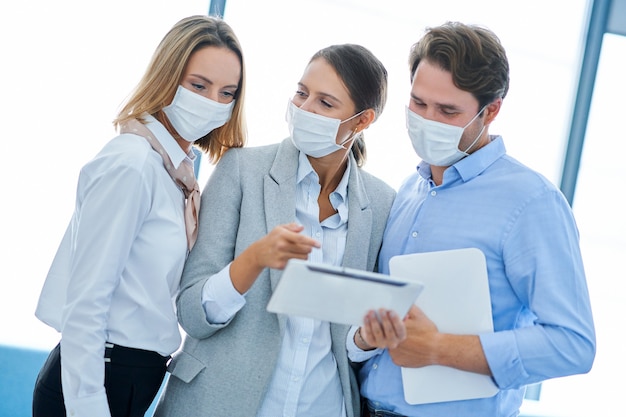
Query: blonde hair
{"x": 159, "y": 83}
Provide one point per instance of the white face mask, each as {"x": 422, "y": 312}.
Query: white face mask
{"x": 314, "y": 134}
{"x": 194, "y": 116}
{"x": 437, "y": 143}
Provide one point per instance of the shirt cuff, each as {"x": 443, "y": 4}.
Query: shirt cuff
{"x": 95, "y": 405}
{"x": 504, "y": 359}
{"x": 355, "y": 353}
{"x": 220, "y": 299}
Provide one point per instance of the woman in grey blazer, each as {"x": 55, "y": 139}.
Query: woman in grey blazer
{"x": 307, "y": 198}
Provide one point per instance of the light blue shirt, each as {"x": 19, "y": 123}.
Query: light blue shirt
{"x": 539, "y": 299}
{"x": 306, "y": 381}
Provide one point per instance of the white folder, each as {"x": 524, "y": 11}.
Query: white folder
{"x": 456, "y": 298}
{"x": 338, "y": 294}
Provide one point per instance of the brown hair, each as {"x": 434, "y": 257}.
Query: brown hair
{"x": 472, "y": 54}
{"x": 365, "y": 77}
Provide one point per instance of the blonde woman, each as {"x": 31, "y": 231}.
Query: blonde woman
{"x": 110, "y": 289}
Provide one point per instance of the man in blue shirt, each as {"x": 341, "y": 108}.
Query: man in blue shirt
{"x": 467, "y": 192}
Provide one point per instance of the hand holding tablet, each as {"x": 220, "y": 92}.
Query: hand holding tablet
{"x": 338, "y": 294}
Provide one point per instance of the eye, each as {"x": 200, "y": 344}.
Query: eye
{"x": 228, "y": 95}
{"x": 449, "y": 112}
{"x": 301, "y": 93}
{"x": 326, "y": 104}
{"x": 197, "y": 87}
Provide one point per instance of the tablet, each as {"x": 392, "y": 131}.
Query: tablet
{"x": 457, "y": 300}
{"x": 338, "y": 294}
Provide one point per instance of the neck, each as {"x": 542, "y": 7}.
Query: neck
{"x": 436, "y": 174}
{"x": 184, "y": 144}
{"x": 330, "y": 169}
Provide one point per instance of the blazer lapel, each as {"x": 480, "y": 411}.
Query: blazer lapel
{"x": 359, "y": 223}
{"x": 280, "y": 192}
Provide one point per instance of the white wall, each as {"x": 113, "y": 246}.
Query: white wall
{"x": 67, "y": 66}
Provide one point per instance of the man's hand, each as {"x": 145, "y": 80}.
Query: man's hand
{"x": 425, "y": 345}
{"x": 419, "y": 347}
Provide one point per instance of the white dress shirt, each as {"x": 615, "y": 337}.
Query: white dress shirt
{"x": 117, "y": 270}
{"x": 305, "y": 382}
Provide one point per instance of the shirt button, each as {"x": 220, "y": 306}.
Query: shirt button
{"x": 318, "y": 234}
{"x": 414, "y": 234}
{"x": 305, "y": 340}
{"x": 433, "y": 193}
{"x": 375, "y": 366}
{"x": 296, "y": 378}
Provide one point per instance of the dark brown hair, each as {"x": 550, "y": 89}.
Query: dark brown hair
{"x": 472, "y": 54}
{"x": 365, "y": 77}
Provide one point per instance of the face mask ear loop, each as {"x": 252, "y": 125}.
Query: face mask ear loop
{"x": 475, "y": 140}
{"x": 352, "y": 117}
{"x": 353, "y": 135}
{"x": 479, "y": 134}
{"x": 475, "y": 117}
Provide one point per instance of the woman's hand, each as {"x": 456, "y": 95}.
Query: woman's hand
{"x": 282, "y": 243}
{"x": 274, "y": 250}
{"x": 381, "y": 329}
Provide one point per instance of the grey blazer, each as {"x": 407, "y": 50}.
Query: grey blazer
{"x": 223, "y": 370}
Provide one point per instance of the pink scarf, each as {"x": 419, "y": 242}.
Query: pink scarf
{"x": 183, "y": 176}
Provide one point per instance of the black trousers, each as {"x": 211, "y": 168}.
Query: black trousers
{"x": 132, "y": 379}
{"x": 368, "y": 411}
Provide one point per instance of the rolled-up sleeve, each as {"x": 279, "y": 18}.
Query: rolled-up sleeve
{"x": 545, "y": 269}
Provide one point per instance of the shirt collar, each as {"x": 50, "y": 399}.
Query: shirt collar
{"x": 174, "y": 151}
{"x": 473, "y": 164}
{"x": 304, "y": 167}
{"x": 340, "y": 194}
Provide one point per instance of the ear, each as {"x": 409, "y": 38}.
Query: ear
{"x": 365, "y": 120}
{"x": 492, "y": 110}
